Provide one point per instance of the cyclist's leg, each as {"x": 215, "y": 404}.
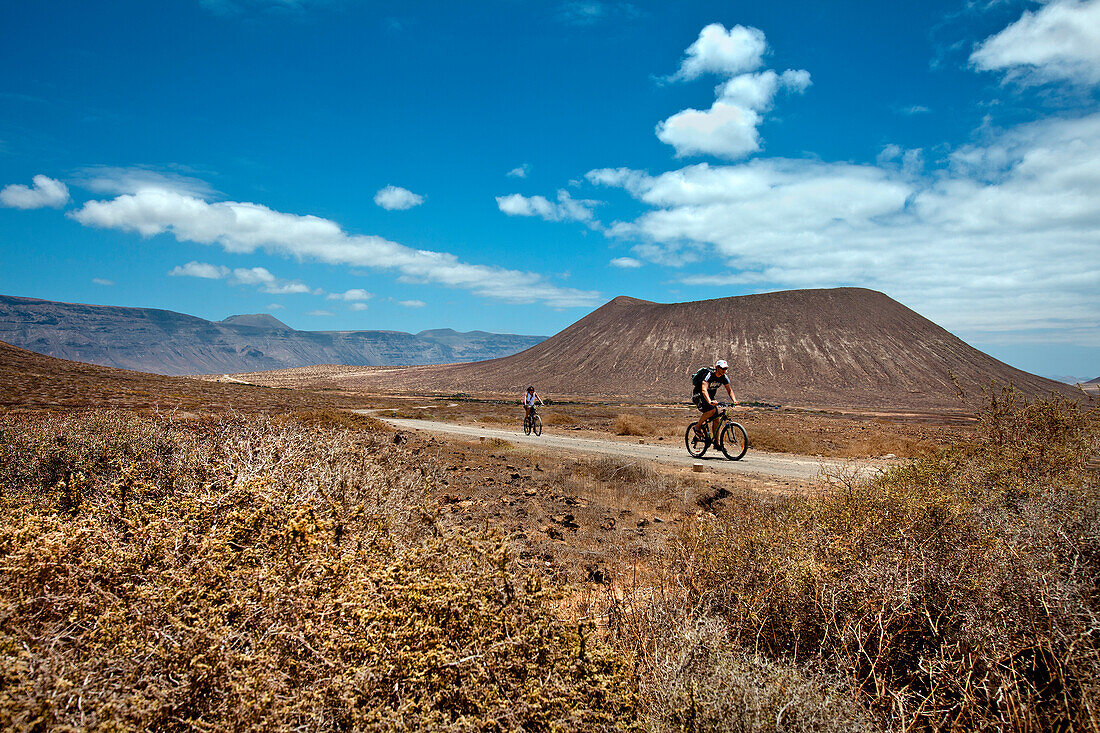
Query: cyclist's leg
{"x": 707, "y": 412}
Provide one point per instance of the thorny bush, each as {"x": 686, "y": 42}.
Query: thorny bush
{"x": 957, "y": 592}
{"x": 255, "y": 574}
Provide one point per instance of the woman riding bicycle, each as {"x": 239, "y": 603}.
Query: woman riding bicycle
{"x": 705, "y": 385}
{"x": 529, "y": 400}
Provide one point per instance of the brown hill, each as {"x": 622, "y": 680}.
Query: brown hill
{"x": 30, "y": 380}
{"x": 845, "y": 347}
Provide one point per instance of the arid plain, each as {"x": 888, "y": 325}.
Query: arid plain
{"x": 263, "y": 542}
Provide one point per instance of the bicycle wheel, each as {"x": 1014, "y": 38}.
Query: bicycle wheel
{"x": 696, "y": 446}
{"x": 527, "y": 425}
{"x": 536, "y": 424}
{"x": 735, "y": 441}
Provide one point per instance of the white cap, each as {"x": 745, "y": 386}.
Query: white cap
{"x": 721, "y": 364}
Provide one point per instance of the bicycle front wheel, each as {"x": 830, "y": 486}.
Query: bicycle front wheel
{"x": 735, "y": 441}
{"x": 696, "y": 446}
{"x": 536, "y": 425}
{"x": 527, "y": 426}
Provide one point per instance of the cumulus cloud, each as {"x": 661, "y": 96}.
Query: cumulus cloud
{"x": 566, "y": 208}
{"x": 259, "y": 277}
{"x": 358, "y": 306}
{"x": 994, "y": 241}
{"x": 395, "y": 198}
{"x": 520, "y": 172}
{"x": 320, "y": 313}
{"x": 626, "y": 263}
{"x": 351, "y": 295}
{"x": 729, "y": 128}
{"x": 723, "y": 52}
{"x": 43, "y": 192}
{"x": 1059, "y": 41}
{"x": 103, "y": 281}
{"x": 412, "y": 303}
{"x": 246, "y": 227}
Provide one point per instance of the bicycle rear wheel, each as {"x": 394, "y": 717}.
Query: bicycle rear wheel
{"x": 696, "y": 446}
{"x": 734, "y": 442}
{"x": 536, "y": 424}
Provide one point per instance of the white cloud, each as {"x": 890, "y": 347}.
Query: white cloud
{"x": 1006, "y": 237}
{"x": 412, "y": 303}
{"x": 395, "y": 198}
{"x": 320, "y": 313}
{"x": 1060, "y": 41}
{"x": 566, "y": 208}
{"x": 45, "y": 191}
{"x": 275, "y": 306}
{"x": 262, "y": 278}
{"x": 350, "y": 295}
{"x": 626, "y": 263}
{"x": 103, "y": 281}
{"x": 359, "y": 306}
{"x": 259, "y": 277}
{"x": 200, "y": 269}
{"x": 718, "y": 51}
{"x": 246, "y": 227}
{"x": 729, "y": 128}
{"x": 520, "y": 172}
{"x": 115, "y": 180}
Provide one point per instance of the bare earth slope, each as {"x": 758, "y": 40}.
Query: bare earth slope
{"x": 844, "y": 347}
{"x": 30, "y": 380}
{"x": 166, "y": 342}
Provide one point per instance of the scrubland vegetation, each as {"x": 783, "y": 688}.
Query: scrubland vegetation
{"x": 294, "y": 572}
{"x": 240, "y": 574}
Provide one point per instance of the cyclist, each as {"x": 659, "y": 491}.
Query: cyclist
{"x": 706, "y": 383}
{"x": 529, "y": 401}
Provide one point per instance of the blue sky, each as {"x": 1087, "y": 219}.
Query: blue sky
{"x": 509, "y": 166}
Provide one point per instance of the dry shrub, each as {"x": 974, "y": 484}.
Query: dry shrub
{"x": 558, "y": 418}
{"x": 959, "y": 591}
{"x": 874, "y": 442}
{"x": 246, "y": 574}
{"x": 774, "y": 440}
{"x": 334, "y": 418}
{"x": 627, "y": 424}
{"x": 703, "y": 682}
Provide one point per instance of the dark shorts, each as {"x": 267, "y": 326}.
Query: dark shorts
{"x": 701, "y": 402}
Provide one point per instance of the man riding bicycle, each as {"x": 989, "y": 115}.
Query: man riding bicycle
{"x": 705, "y": 385}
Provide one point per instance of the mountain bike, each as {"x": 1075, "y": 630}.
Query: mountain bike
{"x": 532, "y": 423}
{"x": 732, "y": 439}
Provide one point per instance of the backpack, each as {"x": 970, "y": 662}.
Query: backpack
{"x": 697, "y": 378}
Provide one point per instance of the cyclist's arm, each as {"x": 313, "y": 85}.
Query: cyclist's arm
{"x": 706, "y": 395}
{"x": 732, "y": 396}
{"x": 538, "y": 398}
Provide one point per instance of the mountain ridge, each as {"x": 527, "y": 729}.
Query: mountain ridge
{"x": 167, "y": 342}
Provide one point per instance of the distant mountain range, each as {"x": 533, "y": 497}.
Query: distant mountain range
{"x": 843, "y": 347}
{"x": 166, "y": 342}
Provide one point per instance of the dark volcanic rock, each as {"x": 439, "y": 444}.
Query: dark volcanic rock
{"x": 165, "y": 342}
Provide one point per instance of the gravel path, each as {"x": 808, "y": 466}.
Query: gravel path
{"x": 754, "y": 462}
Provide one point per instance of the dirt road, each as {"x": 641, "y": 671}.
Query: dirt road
{"x": 754, "y": 462}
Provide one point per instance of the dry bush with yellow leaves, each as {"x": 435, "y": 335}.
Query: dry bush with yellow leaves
{"x": 258, "y": 574}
